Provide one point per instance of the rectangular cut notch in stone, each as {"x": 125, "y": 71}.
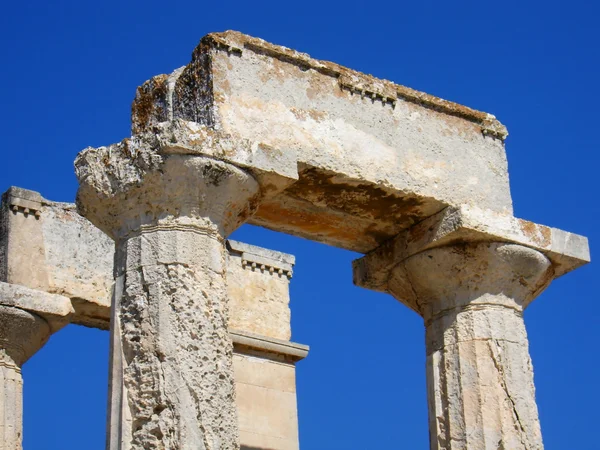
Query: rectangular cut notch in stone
{"x": 342, "y": 157}
{"x": 60, "y": 252}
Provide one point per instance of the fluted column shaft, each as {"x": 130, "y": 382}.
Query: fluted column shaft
{"x": 480, "y": 381}
{"x": 479, "y": 374}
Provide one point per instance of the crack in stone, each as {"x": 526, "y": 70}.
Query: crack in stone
{"x": 499, "y": 368}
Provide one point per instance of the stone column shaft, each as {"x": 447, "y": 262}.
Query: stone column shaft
{"x": 11, "y": 407}
{"x": 21, "y": 334}
{"x": 480, "y": 381}
{"x": 172, "y": 383}
{"x": 171, "y": 332}
{"x": 479, "y": 373}
{"x": 471, "y": 296}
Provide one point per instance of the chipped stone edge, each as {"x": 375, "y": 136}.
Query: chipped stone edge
{"x": 292, "y": 350}
{"x": 357, "y": 82}
{"x": 467, "y": 224}
{"x": 254, "y": 257}
{"x": 55, "y": 309}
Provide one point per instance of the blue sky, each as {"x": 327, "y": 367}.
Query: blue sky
{"x": 69, "y": 73}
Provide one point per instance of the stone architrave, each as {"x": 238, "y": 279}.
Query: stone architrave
{"x": 171, "y": 362}
{"x": 468, "y": 275}
{"x": 27, "y": 319}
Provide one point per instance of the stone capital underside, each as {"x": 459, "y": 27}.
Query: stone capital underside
{"x": 21, "y": 334}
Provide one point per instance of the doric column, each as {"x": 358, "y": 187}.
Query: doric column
{"x": 479, "y": 373}
{"x": 470, "y": 273}
{"x": 172, "y": 380}
{"x": 21, "y": 334}
{"x": 27, "y": 319}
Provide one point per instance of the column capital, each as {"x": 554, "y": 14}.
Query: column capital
{"x": 443, "y": 279}
{"x": 27, "y": 319}
{"x": 123, "y": 189}
{"x": 473, "y": 238}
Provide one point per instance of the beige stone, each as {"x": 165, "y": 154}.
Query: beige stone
{"x": 48, "y": 246}
{"x": 169, "y": 329}
{"x": 27, "y": 319}
{"x": 266, "y": 400}
{"x": 341, "y": 157}
{"x": 471, "y": 296}
{"x": 258, "y": 290}
{"x": 252, "y": 132}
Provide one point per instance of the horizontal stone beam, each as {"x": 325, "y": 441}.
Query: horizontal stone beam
{"x": 342, "y": 157}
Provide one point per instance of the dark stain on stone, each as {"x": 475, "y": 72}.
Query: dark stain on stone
{"x": 215, "y": 174}
{"x": 193, "y": 97}
{"x": 150, "y": 104}
{"x": 362, "y": 200}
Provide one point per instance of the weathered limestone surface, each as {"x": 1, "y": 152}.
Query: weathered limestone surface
{"x": 48, "y": 246}
{"x": 341, "y": 157}
{"x": 258, "y": 290}
{"x": 169, "y": 327}
{"x": 265, "y": 377}
{"x": 316, "y": 150}
{"x": 27, "y": 319}
{"x": 59, "y": 250}
{"x": 470, "y": 274}
{"x": 480, "y": 378}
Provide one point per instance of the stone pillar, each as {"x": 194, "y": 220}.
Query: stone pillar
{"x": 479, "y": 374}
{"x": 21, "y": 334}
{"x": 172, "y": 383}
{"x": 27, "y": 319}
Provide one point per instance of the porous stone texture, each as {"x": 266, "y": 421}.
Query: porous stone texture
{"x": 21, "y": 333}
{"x": 480, "y": 377}
{"x": 455, "y": 225}
{"x": 470, "y": 273}
{"x": 27, "y": 319}
{"x": 172, "y": 377}
{"x": 48, "y": 246}
{"x": 323, "y": 152}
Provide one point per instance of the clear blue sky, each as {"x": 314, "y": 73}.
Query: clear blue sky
{"x": 69, "y": 73}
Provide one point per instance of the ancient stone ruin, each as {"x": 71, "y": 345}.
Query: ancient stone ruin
{"x": 249, "y": 132}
